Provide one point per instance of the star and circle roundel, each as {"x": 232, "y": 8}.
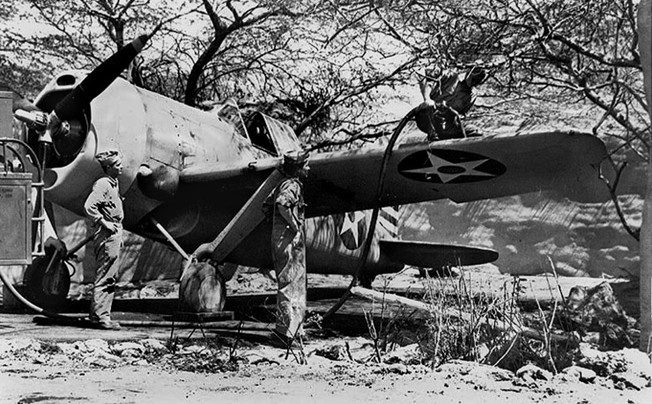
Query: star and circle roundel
{"x": 352, "y": 229}
{"x": 444, "y": 166}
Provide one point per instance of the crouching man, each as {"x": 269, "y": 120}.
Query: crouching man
{"x": 451, "y": 95}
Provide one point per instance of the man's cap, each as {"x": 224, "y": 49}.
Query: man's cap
{"x": 296, "y": 158}
{"x": 109, "y": 157}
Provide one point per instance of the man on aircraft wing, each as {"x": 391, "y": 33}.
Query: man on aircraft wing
{"x": 451, "y": 96}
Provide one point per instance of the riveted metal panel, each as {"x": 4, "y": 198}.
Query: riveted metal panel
{"x": 15, "y": 218}
{"x": 6, "y": 117}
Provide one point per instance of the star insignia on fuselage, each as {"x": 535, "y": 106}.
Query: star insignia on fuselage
{"x": 351, "y": 224}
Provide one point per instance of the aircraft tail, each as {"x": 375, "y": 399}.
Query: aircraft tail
{"x": 388, "y": 222}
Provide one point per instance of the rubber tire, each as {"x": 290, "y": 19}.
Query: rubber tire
{"x": 202, "y": 289}
{"x": 48, "y": 291}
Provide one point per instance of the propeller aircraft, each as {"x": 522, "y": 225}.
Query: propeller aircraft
{"x": 196, "y": 179}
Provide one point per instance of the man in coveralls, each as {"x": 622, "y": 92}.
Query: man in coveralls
{"x": 286, "y": 206}
{"x": 104, "y": 208}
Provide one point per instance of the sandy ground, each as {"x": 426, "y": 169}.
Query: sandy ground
{"x": 59, "y": 363}
{"x": 287, "y": 382}
{"x": 32, "y": 378}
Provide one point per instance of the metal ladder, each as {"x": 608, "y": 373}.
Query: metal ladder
{"x": 38, "y": 215}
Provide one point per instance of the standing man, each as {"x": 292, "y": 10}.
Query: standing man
{"x": 287, "y": 206}
{"x": 104, "y": 208}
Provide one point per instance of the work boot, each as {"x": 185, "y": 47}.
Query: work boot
{"x": 106, "y": 325}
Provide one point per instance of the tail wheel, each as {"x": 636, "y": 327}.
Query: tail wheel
{"x": 202, "y": 288}
{"x": 47, "y": 287}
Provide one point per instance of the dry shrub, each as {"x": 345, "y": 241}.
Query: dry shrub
{"x": 460, "y": 321}
{"x": 468, "y": 320}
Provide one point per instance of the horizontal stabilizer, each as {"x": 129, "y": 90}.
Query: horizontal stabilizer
{"x": 429, "y": 255}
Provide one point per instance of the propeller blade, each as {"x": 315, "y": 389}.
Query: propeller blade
{"x": 99, "y": 79}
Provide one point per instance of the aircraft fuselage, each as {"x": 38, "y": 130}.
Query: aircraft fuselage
{"x": 167, "y": 137}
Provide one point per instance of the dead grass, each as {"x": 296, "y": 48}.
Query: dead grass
{"x": 465, "y": 322}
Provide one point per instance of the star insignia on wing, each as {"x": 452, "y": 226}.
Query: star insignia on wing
{"x": 448, "y": 171}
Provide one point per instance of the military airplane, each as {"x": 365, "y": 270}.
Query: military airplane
{"x": 196, "y": 179}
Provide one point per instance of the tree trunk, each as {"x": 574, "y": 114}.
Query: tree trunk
{"x": 192, "y": 86}
{"x": 645, "y": 279}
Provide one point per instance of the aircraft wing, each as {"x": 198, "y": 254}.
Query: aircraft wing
{"x": 458, "y": 169}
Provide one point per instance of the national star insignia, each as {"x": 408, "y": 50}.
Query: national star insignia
{"x": 455, "y": 169}
{"x": 350, "y": 223}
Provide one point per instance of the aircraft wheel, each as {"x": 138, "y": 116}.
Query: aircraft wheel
{"x": 202, "y": 289}
{"x": 47, "y": 290}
